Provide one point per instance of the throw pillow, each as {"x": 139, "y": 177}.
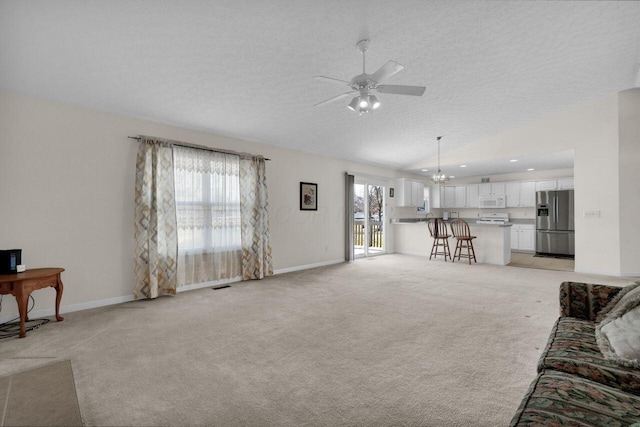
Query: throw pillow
{"x": 618, "y": 334}
{"x": 614, "y": 301}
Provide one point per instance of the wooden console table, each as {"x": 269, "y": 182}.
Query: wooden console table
{"x": 21, "y": 285}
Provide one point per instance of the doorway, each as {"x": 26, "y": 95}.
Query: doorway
{"x": 369, "y": 215}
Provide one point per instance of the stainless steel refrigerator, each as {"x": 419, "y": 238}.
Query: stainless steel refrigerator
{"x": 555, "y": 232}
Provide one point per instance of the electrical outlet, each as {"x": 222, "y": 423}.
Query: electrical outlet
{"x": 591, "y": 214}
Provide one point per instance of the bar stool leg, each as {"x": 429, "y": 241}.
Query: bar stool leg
{"x": 474, "y": 253}
{"x": 447, "y": 250}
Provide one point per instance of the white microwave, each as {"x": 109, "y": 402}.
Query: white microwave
{"x": 492, "y": 201}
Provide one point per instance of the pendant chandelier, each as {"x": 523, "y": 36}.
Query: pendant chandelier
{"x": 439, "y": 178}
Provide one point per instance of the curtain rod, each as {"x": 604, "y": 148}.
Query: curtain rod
{"x": 199, "y": 147}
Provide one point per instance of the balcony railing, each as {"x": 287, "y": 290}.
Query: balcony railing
{"x": 375, "y": 234}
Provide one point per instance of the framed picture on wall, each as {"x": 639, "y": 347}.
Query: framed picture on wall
{"x": 308, "y": 196}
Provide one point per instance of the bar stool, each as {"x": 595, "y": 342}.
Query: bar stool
{"x": 440, "y": 236}
{"x": 464, "y": 239}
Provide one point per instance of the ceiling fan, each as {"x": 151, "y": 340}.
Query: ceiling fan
{"x": 364, "y": 84}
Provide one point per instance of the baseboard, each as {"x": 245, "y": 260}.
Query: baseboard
{"x": 307, "y": 266}
{"x": 126, "y": 298}
{"x": 412, "y": 253}
{"x": 71, "y": 308}
{"x": 605, "y": 273}
{"x": 208, "y": 284}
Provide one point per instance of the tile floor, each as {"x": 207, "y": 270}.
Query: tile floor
{"x": 528, "y": 260}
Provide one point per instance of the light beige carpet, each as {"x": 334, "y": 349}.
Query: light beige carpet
{"x": 390, "y": 340}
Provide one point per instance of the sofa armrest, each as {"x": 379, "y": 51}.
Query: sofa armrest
{"x": 585, "y": 300}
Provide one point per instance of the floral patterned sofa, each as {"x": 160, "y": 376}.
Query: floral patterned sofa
{"x": 576, "y": 385}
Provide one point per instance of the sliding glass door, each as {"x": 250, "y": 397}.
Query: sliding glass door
{"x": 369, "y": 216}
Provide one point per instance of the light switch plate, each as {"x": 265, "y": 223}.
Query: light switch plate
{"x": 592, "y": 214}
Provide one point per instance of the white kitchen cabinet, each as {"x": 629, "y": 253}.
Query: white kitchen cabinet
{"x": 528, "y": 194}
{"x": 521, "y": 194}
{"x": 488, "y": 189}
{"x": 555, "y": 184}
{"x": 449, "y": 197}
{"x": 403, "y": 192}
{"x": 436, "y": 196}
{"x": 455, "y": 196}
{"x": 484, "y": 189}
{"x": 513, "y": 190}
{"x": 417, "y": 193}
{"x": 409, "y": 192}
{"x": 565, "y": 184}
{"x": 472, "y": 196}
{"x": 523, "y": 237}
{"x": 460, "y": 196}
{"x": 546, "y": 185}
{"x": 527, "y": 240}
{"x": 515, "y": 233}
{"x": 498, "y": 189}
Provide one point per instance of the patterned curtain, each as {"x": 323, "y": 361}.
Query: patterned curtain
{"x": 208, "y": 211}
{"x": 155, "y": 221}
{"x": 254, "y": 206}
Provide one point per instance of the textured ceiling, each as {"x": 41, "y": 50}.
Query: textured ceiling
{"x": 501, "y": 165}
{"x": 244, "y": 68}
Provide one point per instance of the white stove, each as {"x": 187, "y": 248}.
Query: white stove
{"x": 493, "y": 218}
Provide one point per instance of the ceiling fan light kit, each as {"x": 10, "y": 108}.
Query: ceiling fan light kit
{"x": 364, "y": 84}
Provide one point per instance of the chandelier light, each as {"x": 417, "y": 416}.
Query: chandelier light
{"x": 439, "y": 178}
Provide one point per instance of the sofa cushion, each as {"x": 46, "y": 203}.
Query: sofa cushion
{"x": 621, "y": 298}
{"x": 572, "y": 348}
{"x": 618, "y": 334}
{"x": 559, "y": 398}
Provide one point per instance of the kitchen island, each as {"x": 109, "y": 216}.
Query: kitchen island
{"x": 492, "y": 245}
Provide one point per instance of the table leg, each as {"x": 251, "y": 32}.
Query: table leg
{"x": 23, "y": 300}
{"x": 59, "y": 288}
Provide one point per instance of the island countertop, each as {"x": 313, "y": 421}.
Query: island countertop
{"x": 492, "y": 244}
{"x": 470, "y": 221}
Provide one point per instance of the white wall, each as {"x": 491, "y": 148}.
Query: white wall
{"x": 629, "y": 166}
{"x": 67, "y": 190}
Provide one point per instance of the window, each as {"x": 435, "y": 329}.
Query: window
{"x": 207, "y": 192}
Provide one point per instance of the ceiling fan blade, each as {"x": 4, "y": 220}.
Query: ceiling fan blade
{"x": 335, "y": 98}
{"x": 330, "y": 79}
{"x": 401, "y": 90}
{"x": 386, "y": 71}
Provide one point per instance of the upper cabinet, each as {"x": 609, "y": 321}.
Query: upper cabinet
{"x": 473, "y": 196}
{"x": 487, "y": 189}
{"x": 409, "y": 192}
{"x": 460, "y": 199}
{"x": 521, "y": 194}
{"x": 555, "y": 184}
{"x": 565, "y": 184}
{"x": 436, "y": 196}
{"x": 454, "y": 196}
{"x": 528, "y": 194}
{"x": 449, "y": 197}
{"x": 417, "y": 192}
